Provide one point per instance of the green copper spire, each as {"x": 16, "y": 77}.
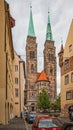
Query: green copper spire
{"x": 31, "y": 26}
{"x": 49, "y": 31}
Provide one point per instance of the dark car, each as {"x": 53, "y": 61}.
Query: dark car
{"x": 31, "y": 117}
{"x": 67, "y": 126}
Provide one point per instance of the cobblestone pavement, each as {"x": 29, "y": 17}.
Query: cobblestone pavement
{"x": 15, "y": 124}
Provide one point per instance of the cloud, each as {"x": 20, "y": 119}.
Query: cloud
{"x": 61, "y": 14}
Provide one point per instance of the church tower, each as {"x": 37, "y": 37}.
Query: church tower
{"x": 31, "y": 64}
{"x": 50, "y": 60}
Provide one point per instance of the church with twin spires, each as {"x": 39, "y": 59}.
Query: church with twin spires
{"x": 36, "y": 81}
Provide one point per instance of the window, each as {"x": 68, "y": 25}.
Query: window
{"x": 51, "y": 71}
{"x": 68, "y": 95}
{"x": 32, "y": 68}
{"x": 66, "y": 79}
{"x": 16, "y": 67}
{"x": 16, "y": 92}
{"x": 16, "y": 80}
{"x": 32, "y": 54}
{"x": 51, "y": 57}
{"x": 16, "y": 103}
{"x": 70, "y": 48}
{"x": 66, "y": 66}
{"x": 72, "y": 77}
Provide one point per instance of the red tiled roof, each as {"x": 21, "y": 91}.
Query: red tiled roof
{"x": 42, "y": 76}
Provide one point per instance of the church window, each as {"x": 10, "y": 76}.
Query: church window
{"x": 51, "y": 71}
{"x": 32, "y": 87}
{"x": 32, "y": 68}
{"x": 32, "y": 55}
{"x": 51, "y": 57}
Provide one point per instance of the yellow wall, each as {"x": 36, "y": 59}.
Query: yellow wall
{"x": 66, "y": 87}
{"x": 6, "y": 65}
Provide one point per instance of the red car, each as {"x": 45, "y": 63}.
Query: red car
{"x": 46, "y": 123}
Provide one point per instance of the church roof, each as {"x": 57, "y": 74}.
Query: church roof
{"x": 49, "y": 31}
{"x": 31, "y": 26}
{"x": 42, "y": 76}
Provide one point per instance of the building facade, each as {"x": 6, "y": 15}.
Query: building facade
{"x": 19, "y": 84}
{"x": 66, "y": 68}
{"x": 31, "y": 65}
{"x": 6, "y": 64}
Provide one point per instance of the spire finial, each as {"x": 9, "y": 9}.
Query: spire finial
{"x": 48, "y": 11}
{"x": 30, "y": 5}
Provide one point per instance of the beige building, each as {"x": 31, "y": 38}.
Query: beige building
{"x": 66, "y": 67}
{"x": 6, "y": 64}
{"x": 19, "y": 84}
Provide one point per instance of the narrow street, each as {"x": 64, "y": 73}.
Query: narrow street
{"x": 21, "y": 124}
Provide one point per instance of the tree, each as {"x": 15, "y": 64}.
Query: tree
{"x": 58, "y": 102}
{"x": 43, "y": 100}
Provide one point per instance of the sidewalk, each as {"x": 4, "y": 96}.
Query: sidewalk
{"x": 15, "y": 124}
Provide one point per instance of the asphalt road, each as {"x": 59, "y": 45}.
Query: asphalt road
{"x": 21, "y": 124}
{"x": 15, "y": 124}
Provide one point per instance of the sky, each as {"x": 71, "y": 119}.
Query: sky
{"x": 61, "y": 15}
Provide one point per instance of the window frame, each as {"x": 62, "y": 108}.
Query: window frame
{"x": 16, "y": 68}
{"x": 68, "y": 97}
{"x": 72, "y": 77}
{"x": 16, "y": 92}
{"x": 70, "y": 47}
{"x": 66, "y": 79}
{"x": 32, "y": 54}
{"x": 16, "y": 80}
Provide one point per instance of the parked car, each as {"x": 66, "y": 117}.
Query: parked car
{"x": 67, "y": 126}
{"x": 46, "y": 123}
{"x": 30, "y": 118}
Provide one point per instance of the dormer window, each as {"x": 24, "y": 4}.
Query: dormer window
{"x": 70, "y": 48}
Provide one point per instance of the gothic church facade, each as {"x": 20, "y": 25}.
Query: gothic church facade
{"x": 46, "y": 79}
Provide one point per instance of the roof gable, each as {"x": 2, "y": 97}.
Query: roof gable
{"x": 43, "y": 76}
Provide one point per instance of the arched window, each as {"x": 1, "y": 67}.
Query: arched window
{"x": 51, "y": 71}
{"x": 32, "y": 68}
{"x": 32, "y": 54}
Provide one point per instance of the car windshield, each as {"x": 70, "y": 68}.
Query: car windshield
{"x": 32, "y": 115}
{"x": 47, "y": 123}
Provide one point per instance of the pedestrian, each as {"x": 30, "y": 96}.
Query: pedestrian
{"x": 21, "y": 115}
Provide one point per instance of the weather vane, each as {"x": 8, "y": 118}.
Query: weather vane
{"x": 48, "y": 11}
{"x": 30, "y": 5}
